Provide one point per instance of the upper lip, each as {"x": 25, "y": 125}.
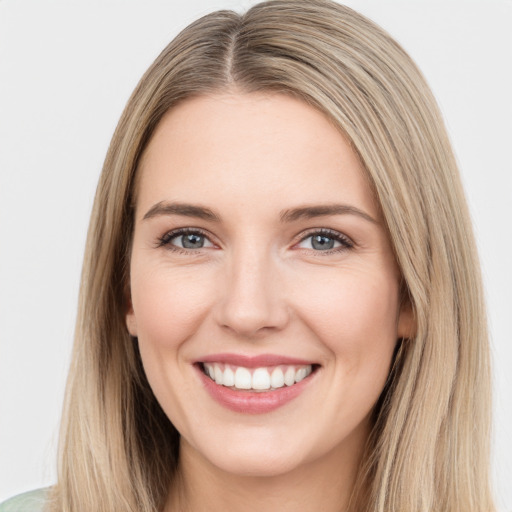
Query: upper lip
{"x": 257, "y": 361}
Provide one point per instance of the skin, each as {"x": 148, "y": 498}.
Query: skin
{"x": 259, "y": 286}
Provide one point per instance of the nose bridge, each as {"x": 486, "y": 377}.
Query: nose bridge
{"x": 252, "y": 302}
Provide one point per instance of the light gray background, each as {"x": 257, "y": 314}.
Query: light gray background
{"x": 66, "y": 70}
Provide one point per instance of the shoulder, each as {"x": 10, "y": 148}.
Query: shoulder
{"x": 32, "y": 501}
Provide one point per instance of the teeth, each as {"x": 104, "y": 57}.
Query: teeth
{"x": 243, "y": 378}
{"x": 229, "y": 377}
{"x": 259, "y": 379}
{"x": 277, "y": 378}
{"x": 301, "y": 374}
{"x": 218, "y": 375}
{"x": 289, "y": 376}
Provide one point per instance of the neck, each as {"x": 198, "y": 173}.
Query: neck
{"x": 324, "y": 484}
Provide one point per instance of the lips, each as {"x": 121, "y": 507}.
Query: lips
{"x": 256, "y": 384}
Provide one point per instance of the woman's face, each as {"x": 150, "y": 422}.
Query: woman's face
{"x": 259, "y": 256}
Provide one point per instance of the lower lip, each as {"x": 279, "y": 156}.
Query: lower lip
{"x": 253, "y": 402}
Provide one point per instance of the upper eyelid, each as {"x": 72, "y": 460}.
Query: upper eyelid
{"x": 169, "y": 235}
{"x": 297, "y": 239}
{"x": 187, "y": 229}
{"x": 324, "y": 231}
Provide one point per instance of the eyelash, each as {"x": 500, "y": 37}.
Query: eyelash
{"x": 346, "y": 243}
{"x": 165, "y": 240}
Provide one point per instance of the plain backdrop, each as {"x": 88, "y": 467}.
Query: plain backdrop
{"x": 67, "y": 69}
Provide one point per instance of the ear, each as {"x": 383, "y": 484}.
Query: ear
{"x": 131, "y": 321}
{"x": 406, "y": 320}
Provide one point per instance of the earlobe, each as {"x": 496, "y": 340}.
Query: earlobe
{"x": 406, "y": 321}
{"x": 130, "y": 320}
{"x": 131, "y": 323}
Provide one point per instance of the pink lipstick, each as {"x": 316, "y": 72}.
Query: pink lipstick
{"x": 254, "y": 384}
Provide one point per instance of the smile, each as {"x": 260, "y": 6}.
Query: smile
{"x": 256, "y": 379}
{"x": 255, "y": 385}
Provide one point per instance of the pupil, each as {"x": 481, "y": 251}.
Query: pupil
{"x": 192, "y": 241}
{"x": 322, "y": 242}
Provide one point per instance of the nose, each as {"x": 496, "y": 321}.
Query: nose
{"x": 252, "y": 301}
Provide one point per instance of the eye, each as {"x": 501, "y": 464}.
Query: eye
{"x": 325, "y": 240}
{"x": 188, "y": 239}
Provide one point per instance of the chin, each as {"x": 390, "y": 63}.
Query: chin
{"x": 257, "y": 466}
{"x": 263, "y": 457}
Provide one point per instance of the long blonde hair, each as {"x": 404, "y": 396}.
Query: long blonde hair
{"x": 429, "y": 448}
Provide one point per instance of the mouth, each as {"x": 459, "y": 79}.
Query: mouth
{"x": 254, "y": 385}
{"x": 261, "y": 379}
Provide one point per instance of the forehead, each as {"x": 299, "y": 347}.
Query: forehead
{"x": 249, "y": 148}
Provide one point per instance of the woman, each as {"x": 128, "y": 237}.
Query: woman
{"x": 281, "y": 303}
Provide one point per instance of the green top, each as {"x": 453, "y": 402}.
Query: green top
{"x": 32, "y": 501}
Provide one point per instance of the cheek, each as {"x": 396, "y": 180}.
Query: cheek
{"x": 351, "y": 300}
{"x": 356, "y": 322}
{"x": 168, "y": 304}
{"x": 169, "y": 307}
{"x": 354, "y": 314}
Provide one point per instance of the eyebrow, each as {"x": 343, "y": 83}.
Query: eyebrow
{"x": 289, "y": 215}
{"x": 187, "y": 210}
{"x": 310, "y": 212}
